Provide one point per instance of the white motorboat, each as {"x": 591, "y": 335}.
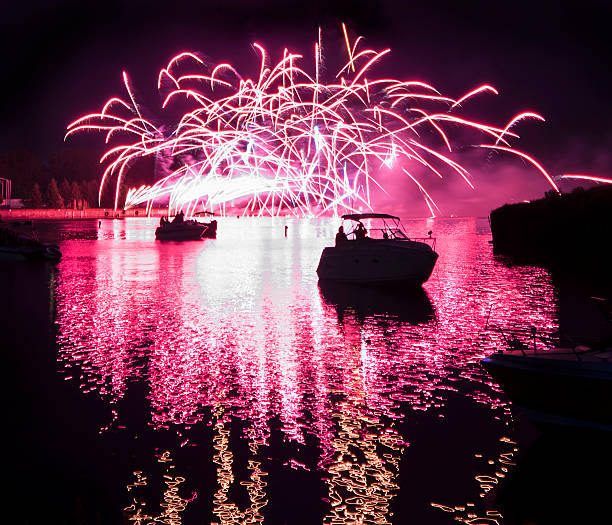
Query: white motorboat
{"x": 379, "y": 254}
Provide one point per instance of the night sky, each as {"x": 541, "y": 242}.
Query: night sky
{"x": 63, "y": 59}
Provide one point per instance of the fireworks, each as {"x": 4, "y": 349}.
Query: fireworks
{"x": 591, "y": 178}
{"x": 288, "y": 142}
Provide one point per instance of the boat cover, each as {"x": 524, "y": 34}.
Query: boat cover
{"x": 359, "y": 216}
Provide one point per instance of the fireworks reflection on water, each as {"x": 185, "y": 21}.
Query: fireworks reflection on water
{"x": 270, "y": 390}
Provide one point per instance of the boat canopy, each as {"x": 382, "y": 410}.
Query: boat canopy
{"x": 359, "y": 216}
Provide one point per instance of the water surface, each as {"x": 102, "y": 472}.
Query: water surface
{"x": 216, "y": 381}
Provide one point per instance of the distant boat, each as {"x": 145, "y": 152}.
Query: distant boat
{"x": 185, "y": 230}
{"x": 17, "y": 245}
{"x": 382, "y": 254}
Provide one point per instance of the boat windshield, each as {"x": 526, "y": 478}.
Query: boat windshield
{"x": 375, "y": 228}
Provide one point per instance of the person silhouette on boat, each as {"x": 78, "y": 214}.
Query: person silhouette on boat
{"x": 340, "y": 236}
{"x": 360, "y": 231}
{"x": 163, "y": 221}
{"x": 179, "y": 218}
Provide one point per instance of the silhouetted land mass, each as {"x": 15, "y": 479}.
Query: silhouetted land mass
{"x": 568, "y": 233}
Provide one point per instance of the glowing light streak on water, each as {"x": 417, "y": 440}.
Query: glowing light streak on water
{"x": 172, "y": 505}
{"x": 237, "y": 329}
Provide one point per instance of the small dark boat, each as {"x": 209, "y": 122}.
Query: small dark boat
{"x": 559, "y": 386}
{"x": 42, "y": 252}
{"x": 185, "y": 230}
{"x": 568, "y": 385}
{"x": 16, "y": 245}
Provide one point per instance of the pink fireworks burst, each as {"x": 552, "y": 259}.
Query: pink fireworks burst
{"x": 287, "y": 142}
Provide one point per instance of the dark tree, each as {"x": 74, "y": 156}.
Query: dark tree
{"x": 75, "y": 190}
{"x": 91, "y": 193}
{"x": 66, "y": 192}
{"x": 37, "y": 198}
{"x": 54, "y": 198}
{"x": 123, "y": 189}
{"x": 107, "y": 197}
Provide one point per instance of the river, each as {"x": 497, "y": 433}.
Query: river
{"x": 216, "y": 382}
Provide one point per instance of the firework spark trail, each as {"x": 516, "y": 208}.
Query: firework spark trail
{"x": 287, "y": 142}
{"x": 528, "y": 159}
{"x": 517, "y": 118}
{"x": 591, "y": 178}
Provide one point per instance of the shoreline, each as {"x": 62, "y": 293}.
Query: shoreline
{"x": 89, "y": 213}
{"x": 565, "y": 233}
{"x": 16, "y": 214}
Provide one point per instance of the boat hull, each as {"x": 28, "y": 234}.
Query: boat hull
{"x": 211, "y": 230}
{"x": 33, "y": 253}
{"x": 378, "y": 262}
{"x": 8, "y": 254}
{"x": 556, "y": 389}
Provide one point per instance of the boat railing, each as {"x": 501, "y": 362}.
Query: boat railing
{"x": 529, "y": 340}
{"x": 427, "y": 240}
{"x": 392, "y": 234}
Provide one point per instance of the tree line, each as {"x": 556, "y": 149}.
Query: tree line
{"x": 65, "y": 195}
{"x": 69, "y": 178}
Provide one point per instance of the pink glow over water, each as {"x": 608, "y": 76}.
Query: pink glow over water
{"x": 237, "y": 329}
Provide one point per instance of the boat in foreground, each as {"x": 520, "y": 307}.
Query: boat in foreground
{"x": 185, "y": 230}
{"x": 381, "y": 254}
{"x": 558, "y": 386}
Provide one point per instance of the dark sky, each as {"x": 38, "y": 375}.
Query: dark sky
{"x": 62, "y": 59}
